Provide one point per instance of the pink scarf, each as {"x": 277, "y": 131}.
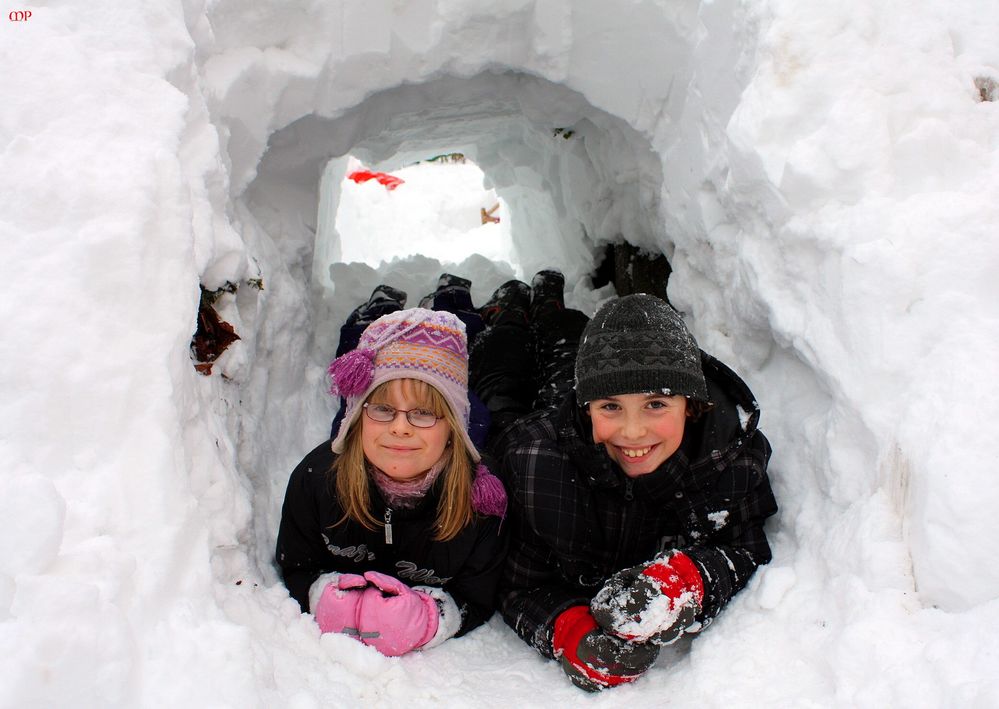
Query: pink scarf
{"x": 407, "y": 493}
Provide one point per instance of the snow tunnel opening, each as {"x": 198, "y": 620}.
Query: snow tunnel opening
{"x": 438, "y": 207}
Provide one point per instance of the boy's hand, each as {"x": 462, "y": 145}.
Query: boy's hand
{"x": 594, "y": 660}
{"x": 653, "y": 602}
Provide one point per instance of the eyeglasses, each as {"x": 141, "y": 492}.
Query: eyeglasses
{"x": 383, "y": 413}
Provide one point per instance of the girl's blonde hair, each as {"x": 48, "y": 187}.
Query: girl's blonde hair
{"x": 454, "y": 511}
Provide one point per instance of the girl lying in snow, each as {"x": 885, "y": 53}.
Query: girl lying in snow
{"x": 391, "y": 531}
{"x": 637, "y": 507}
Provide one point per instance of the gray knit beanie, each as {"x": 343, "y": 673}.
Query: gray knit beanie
{"x": 637, "y": 344}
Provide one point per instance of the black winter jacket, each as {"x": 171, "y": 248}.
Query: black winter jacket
{"x": 310, "y": 543}
{"x": 577, "y": 519}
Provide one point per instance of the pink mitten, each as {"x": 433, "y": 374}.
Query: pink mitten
{"x": 336, "y": 610}
{"x": 394, "y": 618}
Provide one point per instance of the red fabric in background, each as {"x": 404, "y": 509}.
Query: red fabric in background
{"x": 390, "y": 181}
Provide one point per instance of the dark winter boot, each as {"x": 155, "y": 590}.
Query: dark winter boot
{"x": 501, "y": 359}
{"x": 384, "y": 300}
{"x": 453, "y": 296}
{"x": 547, "y": 291}
{"x": 508, "y": 303}
{"x": 453, "y": 292}
{"x": 449, "y": 279}
{"x": 556, "y": 337}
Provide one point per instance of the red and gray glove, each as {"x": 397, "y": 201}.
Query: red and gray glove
{"x": 592, "y": 658}
{"x": 655, "y": 602}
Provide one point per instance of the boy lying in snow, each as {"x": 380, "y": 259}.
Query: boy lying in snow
{"x": 638, "y": 497}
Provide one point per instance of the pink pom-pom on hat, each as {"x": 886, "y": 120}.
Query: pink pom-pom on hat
{"x": 488, "y": 494}
{"x": 427, "y": 345}
{"x": 352, "y": 372}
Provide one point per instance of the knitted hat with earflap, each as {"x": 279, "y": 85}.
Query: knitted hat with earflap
{"x": 638, "y": 344}
{"x": 421, "y": 344}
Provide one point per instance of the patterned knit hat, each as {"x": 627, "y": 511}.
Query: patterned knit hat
{"x": 638, "y": 344}
{"x": 408, "y": 344}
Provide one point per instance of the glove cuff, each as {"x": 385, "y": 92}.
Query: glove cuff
{"x": 448, "y": 615}
{"x": 678, "y": 574}
{"x": 433, "y": 618}
{"x": 571, "y": 627}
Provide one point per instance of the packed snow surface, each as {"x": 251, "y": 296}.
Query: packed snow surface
{"x": 822, "y": 176}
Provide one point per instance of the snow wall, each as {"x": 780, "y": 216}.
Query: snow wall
{"x": 189, "y": 148}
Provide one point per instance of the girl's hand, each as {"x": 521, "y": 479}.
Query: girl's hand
{"x": 338, "y": 601}
{"x": 394, "y": 618}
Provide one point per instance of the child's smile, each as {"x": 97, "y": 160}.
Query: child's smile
{"x": 639, "y": 431}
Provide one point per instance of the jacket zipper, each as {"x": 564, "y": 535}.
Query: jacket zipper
{"x": 388, "y": 525}
{"x": 624, "y": 541}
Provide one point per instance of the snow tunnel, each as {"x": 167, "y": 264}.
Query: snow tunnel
{"x": 587, "y": 148}
{"x": 819, "y": 177}
{"x": 660, "y": 139}
{"x": 640, "y": 146}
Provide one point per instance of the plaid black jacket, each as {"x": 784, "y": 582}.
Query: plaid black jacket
{"x": 577, "y": 518}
